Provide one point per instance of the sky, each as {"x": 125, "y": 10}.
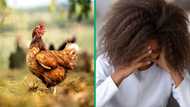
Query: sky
{"x": 27, "y": 4}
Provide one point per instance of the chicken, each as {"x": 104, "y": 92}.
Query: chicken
{"x": 50, "y": 66}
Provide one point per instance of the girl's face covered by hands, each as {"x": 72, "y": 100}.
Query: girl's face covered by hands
{"x": 155, "y": 48}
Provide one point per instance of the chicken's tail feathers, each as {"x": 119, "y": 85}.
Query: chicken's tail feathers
{"x": 73, "y": 46}
{"x": 71, "y": 40}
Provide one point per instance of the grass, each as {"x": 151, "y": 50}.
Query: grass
{"x": 15, "y": 87}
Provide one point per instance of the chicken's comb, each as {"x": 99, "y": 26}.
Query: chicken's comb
{"x": 39, "y": 30}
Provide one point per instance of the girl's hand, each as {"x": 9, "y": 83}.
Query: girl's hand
{"x": 124, "y": 71}
{"x": 175, "y": 75}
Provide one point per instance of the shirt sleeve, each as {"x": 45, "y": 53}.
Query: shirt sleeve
{"x": 182, "y": 92}
{"x": 105, "y": 87}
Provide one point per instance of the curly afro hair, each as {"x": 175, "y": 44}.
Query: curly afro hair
{"x": 131, "y": 23}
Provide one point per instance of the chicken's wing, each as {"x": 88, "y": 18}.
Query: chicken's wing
{"x": 51, "y": 59}
{"x": 46, "y": 59}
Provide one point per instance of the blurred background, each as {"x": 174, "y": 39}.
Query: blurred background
{"x": 104, "y": 6}
{"x": 63, "y": 19}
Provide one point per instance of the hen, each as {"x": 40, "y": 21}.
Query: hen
{"x": 50, "y": 66}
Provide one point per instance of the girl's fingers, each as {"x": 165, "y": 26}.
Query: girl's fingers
{"x": 143, "y": 56}
{"x": 158, "y": 59}
{"x": 140, "y": 64}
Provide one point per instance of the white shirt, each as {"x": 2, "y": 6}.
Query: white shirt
{"x": 150, "y": 88}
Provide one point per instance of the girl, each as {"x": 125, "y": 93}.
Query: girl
{"x": 146, "y": 54}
